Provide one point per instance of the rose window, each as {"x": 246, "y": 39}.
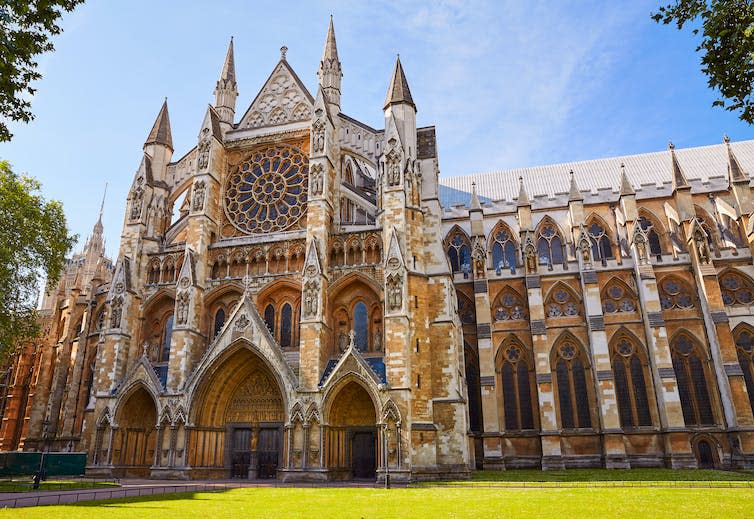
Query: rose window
{"x": 266, "y": 190}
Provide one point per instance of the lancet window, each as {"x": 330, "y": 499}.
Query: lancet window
{"x": 466, "y": 310}
{"x": 459, "y": 252}
{"x": 691, "y": 373}
{"x": 653, "y": 238}
{"x": 571, "y": 379}
{"x": 550, "y": 246}
{"x": 602, "y": 249}
{"x": 630, "y": 372}
{"x": 504, "y": 248}
{"x": 745, "y": 350}
{"x": 516, "y": 380}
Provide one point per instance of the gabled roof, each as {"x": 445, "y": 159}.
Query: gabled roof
{"x": 647, "y": 169}
{"x": 283, "y": 91}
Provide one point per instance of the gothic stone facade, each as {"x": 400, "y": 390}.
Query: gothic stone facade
{"x": 318, "y": 307}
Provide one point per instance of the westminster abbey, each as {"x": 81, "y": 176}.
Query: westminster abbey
{"x": 300, "y": 296}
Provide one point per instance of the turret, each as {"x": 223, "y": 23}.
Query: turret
{"x": 681, "y": 187}
{"x": 159, "y": 144}
{"x": 330, "y": 72}
{"x": 400, "y": 106}
{"x": 226, "y": 91}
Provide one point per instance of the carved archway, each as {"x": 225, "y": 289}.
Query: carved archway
{"x": 135, "y": 438}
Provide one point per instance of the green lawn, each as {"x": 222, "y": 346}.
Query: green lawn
{"x": 25, "y": 485}
{"x": 419, "y": 503}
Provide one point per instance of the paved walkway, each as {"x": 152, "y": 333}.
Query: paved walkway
{"x": 151, "y": 487}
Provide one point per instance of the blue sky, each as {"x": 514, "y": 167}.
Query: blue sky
{"x": 507, "y": 84}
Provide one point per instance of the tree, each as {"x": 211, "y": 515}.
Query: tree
{"x": 727, "y": 47}
{"x": 25, "y": 30}
{"x": 34, "y": 241}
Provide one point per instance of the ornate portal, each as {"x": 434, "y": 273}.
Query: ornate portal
{"x": 266, "y": 191}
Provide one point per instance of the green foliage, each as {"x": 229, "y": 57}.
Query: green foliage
{"x": 25, "y": 29}
{"x": 727, "y": 47}
{"x": 34, "y": 241}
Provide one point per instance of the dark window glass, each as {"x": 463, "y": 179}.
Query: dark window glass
{"x": 682, "y": 378}
{"x": 465, "y": 257}
{"x": 498, "y": 256}
{"x": 582, "y": 399}
{"x": 524, "y": 397}
{"x": 453, "y": 255}
{"x": 700, "y": 389}
{"x": 654, "y": 243}
{"x": 748, "y": 368}
{"x": 624, "y": 398}
{"x": 269, "y": 318}
{"x": 219, "y": 321}
{"x": 640, "y": 392}
{"x": 543, "y": 249}
{"x": 286, "y": 326}
{"x": 474, "y": 389}
{"x": 509, "y": 398}
{"x": 557, "y": 250}
{"x": 564, "y": 395}
{"x": 361, "y": 326}
{"x": 165, "y": 353}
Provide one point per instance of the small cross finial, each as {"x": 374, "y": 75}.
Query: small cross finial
{"x": 671, "y": 146}
{"x": 726, "y": 139}
{"x": 571, "y": 173}
{"x": 351, "y": 339}
{"x": 144, "y": 348}
{"x": 283, "y": 51}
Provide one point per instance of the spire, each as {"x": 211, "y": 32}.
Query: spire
{"x": 226, "y": 90}
{"x": 523, "y": 198}
{"x": 626, "y": 188}
{"x": 475, "y": 205}
{"x": 679, "y": 179}
{"x": 98, "y": 225}
{"x": 330, "y": 72}
{"x": 574, "y": 194}
{"x": 331, "y": 50}
{"x": 735, "y": 173}
{"x": 160, "y": 133}
{"x": 228, "y": 74}
{"x": 398, "y": 91}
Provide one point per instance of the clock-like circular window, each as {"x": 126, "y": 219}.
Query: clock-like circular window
{"x": 266, "y": 190}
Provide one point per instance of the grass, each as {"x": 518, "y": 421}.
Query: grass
{"x": 26, "y": 486}
{"x": 418, "y": 503}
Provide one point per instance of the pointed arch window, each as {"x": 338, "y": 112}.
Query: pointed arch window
{"x": 676, "y": 295}
{"x": 602, "y": 249}
{"x": 219, "y": 321}
{"x": 361, "y": 326}
{"x": 473, "y": 387}
{"x": 562, "y": 303}
{"x": 745, "y": 351}
{"x": 653, "y": 238}
{"x": 516, "y": 381}
{"x": 269, "y": 318}
{"x": 617, "y": 298}
{"x": 571, "y": 380}
{"x": 459, "y": 253}
{"x": 550, "y": 246}
{"x": 629, "y": 370}
{"x": 504, "y": 249}
{"x": 166, "y": 339}
{"x": 466, "y": 310}
{"x": 286, "y": 326}
{"x": 509, "y": 305}
{"x": 737, "y": 290}
{"x": 691, "y": 373}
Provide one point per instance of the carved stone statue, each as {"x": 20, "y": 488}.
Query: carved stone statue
{"x": 530, "y": 254}
{"x": 316, "y": 183}
{"x": 377, "y": 340}
{"x": 342, "y": 342}
{"x": 136, "y": 203}
{"x": 181, "y": 310}
{"x": 318, "y": 136}
{"x": 394, "y": 292}
{"x": 480, "y": 258}
{"x": 702, "y": 247}
{"x": 393, "y": 170}
{"x": 199, "y": 190}
{"x": 641, "y": 248}
{"x": 116, "y": 312}
{"x": 310, "y": 299}
{"x": 203, "y": 149}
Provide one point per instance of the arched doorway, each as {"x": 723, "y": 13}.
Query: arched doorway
{"x": 136, "y": 436}
{"x": 705, "y": 456}
{"x": 239, "y": 415}
{"x": 352, "y": 434}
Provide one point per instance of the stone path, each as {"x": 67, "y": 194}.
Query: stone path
{"x": 150, "y": 487}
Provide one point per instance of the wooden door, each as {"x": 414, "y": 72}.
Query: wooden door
{"x": 241, "y": 453}
{"x": 363, "y": 454}
{"x": 268, "y": 449}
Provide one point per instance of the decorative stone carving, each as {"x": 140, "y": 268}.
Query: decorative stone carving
{"x": 585, "y": 247}
{"x": 377, "y": 340}
{"x": 116, "y": 312}
{"x": 393, "y": 166}
{"x": 702, "y": 247}
{"x": 316, "y": 181}
{"x": 530, "y": 255}
{"x": 342, "y": 342}
{"x": 311, "y": 298}
{"x": 199, "y": 192}
{"x": 137, "y": 203}
{"x": 394, "y": 292}
{"x": 242, "y": 323}
{"x": 480, "y": 257}
{"x": 203, "y": 149}
{"x": 318, "y": 136}
{"x": 640, "y": 241}
{"x": 182, "y": 309}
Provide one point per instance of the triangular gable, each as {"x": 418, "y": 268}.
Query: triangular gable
{"x": 282, "y": 99}
{"x": 121, "y": 279}
{"x": 144, "y": 372}
{"x": 188, "y": 271}
{"x": 352, "y": 361}
{"x": 211, "y": 122}
{"x": 312, "y": 265}
{"x": 394, "y": 256}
